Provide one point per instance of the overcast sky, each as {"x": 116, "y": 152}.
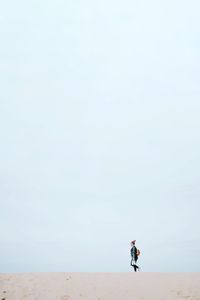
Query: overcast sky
{"x": 99, "y": 135}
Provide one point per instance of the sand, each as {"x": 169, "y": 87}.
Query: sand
{"x": 100, "y": 286}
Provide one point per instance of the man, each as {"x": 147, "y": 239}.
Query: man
{"x": 134, "y": 255}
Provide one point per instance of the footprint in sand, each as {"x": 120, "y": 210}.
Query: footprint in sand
{"x": 178, "y": 293}
{"x": 65, "y": 297}
{"x": 181, "y": 294}
{"x": 68, "y": 278}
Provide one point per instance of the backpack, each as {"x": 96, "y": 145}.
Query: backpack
{"x": 138, "y": 252}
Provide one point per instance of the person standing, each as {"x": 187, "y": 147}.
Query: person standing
{"x": 134, "y": 256}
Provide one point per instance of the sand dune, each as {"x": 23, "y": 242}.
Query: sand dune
{"x": 100, "y": 286}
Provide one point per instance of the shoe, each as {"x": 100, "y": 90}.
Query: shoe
{"x": 135, "y": 268}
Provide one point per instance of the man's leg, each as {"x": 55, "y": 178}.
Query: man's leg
{"x": 136, "y": 267}
{"x": 132, "y": 262}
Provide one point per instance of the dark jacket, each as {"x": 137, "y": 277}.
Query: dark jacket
{"x": 134, "y": 252}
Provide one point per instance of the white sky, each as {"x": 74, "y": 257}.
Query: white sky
{"x": 99, "y": 128}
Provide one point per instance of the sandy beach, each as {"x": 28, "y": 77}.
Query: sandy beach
{"x": 100, "y": 286}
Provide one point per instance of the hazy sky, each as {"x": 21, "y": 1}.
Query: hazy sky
{"x": 99, "y": 135}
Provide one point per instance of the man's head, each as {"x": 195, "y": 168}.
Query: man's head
{"x": 133, "y": 242}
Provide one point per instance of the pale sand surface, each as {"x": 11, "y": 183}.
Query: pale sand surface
{"x": 100, "y": 286}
